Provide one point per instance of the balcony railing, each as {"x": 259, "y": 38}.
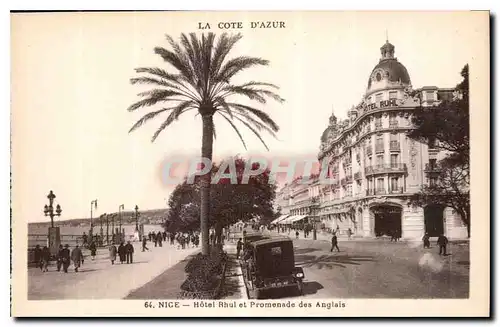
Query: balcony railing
{"x": 379, "y": 148}
{"x": 432, "y": 169}
{"x": 357, "y": 175}
{"x": 378, "y": 126}
{"x": 394, "y": 146}
{"x": 393, "y": 124}
{"x": 379, "y": 191}
{"x": 386, "y": 168}
{"x": 369, "y": 151}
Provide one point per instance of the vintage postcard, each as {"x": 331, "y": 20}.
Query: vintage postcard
{"x": 248, "y": 164}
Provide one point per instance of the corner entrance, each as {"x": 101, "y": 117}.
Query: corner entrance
{"x": 433, "y": 219}
{"x": 387, "y": 219}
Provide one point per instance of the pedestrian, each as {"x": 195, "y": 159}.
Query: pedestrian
{"x": 129, "y": 248}
{"x": 84, "y": 239}
{"x": 188, "y": 240}
{"x": 160, "y": 238}
{"x": 349, "y": 233}
{"x": 337, "y": 231}
{"x": 197, "y": 240}
{"x": 426, "y": 240}
{"x": 212, "y": 238}
{"x": 65, "y": 258}
{"x": 76, "y": 256}
{"x": 93, "y": 249}
{"x": 442, "y": 241}
{"x": 393, "y": 235}
{"x": 122, "y": 252}
{"x": 239, "y": 246}
{"x": 334, "y": 243}
{"x": 156, "y": 239}
{"x": 172, "y": 238}
{"x": 297, "y": 234}
{"x": 38, "y": 255}
{"x": 59, "y": 257}
{"x": 144, "y": 244}
{"x": 45, "y": 258}
{"x": 112, "y": 253}
{"x": 164, "y": 236}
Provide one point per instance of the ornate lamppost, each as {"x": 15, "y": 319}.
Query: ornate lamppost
{"x": 136, "y": 218}
{"x": 49, "y": 209}
{"x": 54, "y": 235}
{"x": 120, "y": 208}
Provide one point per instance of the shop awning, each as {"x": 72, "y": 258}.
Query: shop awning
{"x": 292, "y": 219}
{"x": 280, "y": 218}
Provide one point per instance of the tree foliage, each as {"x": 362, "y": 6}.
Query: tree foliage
{"x": 229, "y": 202}
{"x": 446, "y": 126}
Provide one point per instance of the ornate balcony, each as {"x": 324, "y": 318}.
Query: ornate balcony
{"x": 348, "y": 178}
{"x": 383, "y": 191}
{"x": 386, "y": 168}
{"x": 378, "y": 126}
{"x": 432, "y": 169}
{"x": 393, "y": 124}
{"x": 379, "y": 148}
{"x": 369, "y": 150}
{"x": 394, "y": 146}
{"x": 357, "y": 176}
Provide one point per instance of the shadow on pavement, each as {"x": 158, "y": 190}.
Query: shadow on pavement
{"x": 309, "y": 288}
{"x": 330, "y": 261}
{"x": 305, "y": 250}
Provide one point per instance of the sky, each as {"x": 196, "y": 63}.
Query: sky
{"x": 70, "y": 92}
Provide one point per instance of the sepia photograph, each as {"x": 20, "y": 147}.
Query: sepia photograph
{"x": 250, "y": 163}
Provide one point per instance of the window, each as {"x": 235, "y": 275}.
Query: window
{"x": 432, "y": 143}
{"x": 432, "y": 163}
{"x": 393, "y": 95}
{"x": 380, "y": 183}
{"x": 430, "y": 95}
{"x": 394, "y": 184}
{"x": 378, "y": 98}
{"x": 432, "y": 181}
{"x": 394, "y": 160}
{"x": 380, "y": 160}
{"x": 378, "y": 122}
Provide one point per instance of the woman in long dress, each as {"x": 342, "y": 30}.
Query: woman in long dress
{"x": 112, "y": 253}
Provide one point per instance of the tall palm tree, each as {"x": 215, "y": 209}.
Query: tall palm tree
{"x": 202, "y": 82}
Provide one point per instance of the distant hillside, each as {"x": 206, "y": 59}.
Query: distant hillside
{"x": 154, "y": 216}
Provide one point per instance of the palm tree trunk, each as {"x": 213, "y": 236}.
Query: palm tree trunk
{"x": 206, "y": 152}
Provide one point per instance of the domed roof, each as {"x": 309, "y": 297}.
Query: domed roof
{"x": 392, "y": 69}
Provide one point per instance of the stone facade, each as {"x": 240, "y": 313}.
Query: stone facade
{"x": 375, "y": 166}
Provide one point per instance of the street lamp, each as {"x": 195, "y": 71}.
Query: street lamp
{"x": 136, "y": 218}
{"x": 93, "y": 204}
{"x": 120, "y": 208}
{"x": 48, "y": 210}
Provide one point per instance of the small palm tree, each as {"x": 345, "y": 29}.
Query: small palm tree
{"x": 202, "y": 82}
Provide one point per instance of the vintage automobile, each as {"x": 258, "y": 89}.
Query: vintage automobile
{"x": 252, "y": 237}
{"x": 269, "y": 264}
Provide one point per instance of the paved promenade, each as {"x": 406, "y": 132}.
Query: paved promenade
{"x": 99, "y": 279}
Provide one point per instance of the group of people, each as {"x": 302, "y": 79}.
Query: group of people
{"x": 124, "y": 251}
{"x": 64, "y": 257}
{"x": 442, "y": 242}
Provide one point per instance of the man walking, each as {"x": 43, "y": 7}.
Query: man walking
{"x": 76, "y": 256}
{"x": 239, "y": 246}
{"x": 129, "y": 249}
{"x": 144, "y": 244}
{"x": 334, "y": 243}
{"x": 442, "y": 241}
{"x": 59, "y": 257}
{"x": 65, "y": 258}
{"x": 426, "y": 240}
{"x": 112, "y": 253}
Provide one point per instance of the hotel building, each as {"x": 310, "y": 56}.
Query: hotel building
{"x": 376, "y": 167}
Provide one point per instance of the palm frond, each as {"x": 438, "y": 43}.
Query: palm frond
{"x": 237, "y": 90}
{"x": 223, "y": 47}
{"x": 253, "y": 130}
{"x": 235, "y": 129}
{"x": 220, "y": 102}
{"x": 147, "y": 117}
{"x": 178, "y": 62}
{"x": 260, "y": 126}
{"x": 174, "y": 115}
{"x": 237, "y": 65}
{"x": 264, "y": 117}
{"x": 255, "y": 83}
{"x": 154, "y": 98}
